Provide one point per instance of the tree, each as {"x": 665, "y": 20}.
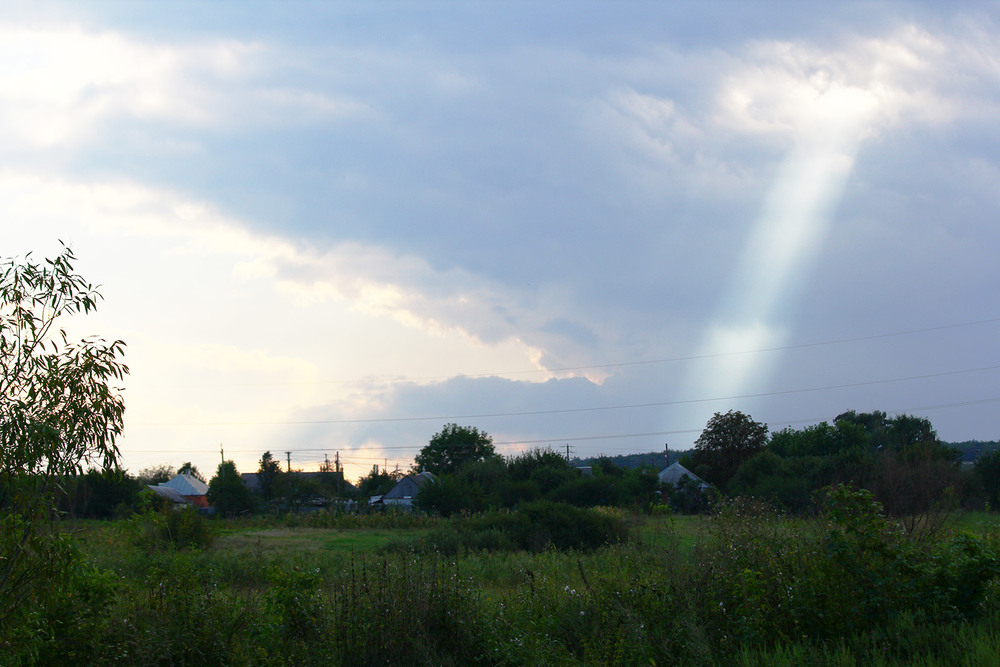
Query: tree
{"x": 893, "y": 433}
{"x": 377, "y": 483}
{"x": 59, "y": 408}
{"x": 987, "y": 468}
{"x": 821, "y": 439}
{"x": 101, "y": 494}
{"x": 158, "y": 474}
{"x": 454, "y": 446}
{"x": 727, "y": 441}
{"x": 545, "y": 470}
{"x": 267, "y": 475}
{"x": 190, "y": 469}
{"x": 227, "y": 492}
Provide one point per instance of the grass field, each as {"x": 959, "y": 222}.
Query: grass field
{"x": 294, "y": 540}
{"x": 738, "y": 588}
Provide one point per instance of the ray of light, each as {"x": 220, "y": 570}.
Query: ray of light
{"x": 786, "y": 239}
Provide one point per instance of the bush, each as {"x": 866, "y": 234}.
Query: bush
{"x": 854, "y": 573}
{"x": 177, "y": 528}
{"x": 535, "y": 527}
{"x": 586, "y": 492}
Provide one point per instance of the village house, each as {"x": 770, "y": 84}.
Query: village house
{"x": 406, "y": 490}
{"x": 183, "y": 489}
{"x": 673, "y": 474}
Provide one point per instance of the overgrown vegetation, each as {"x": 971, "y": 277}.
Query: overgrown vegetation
{"x": 744, "y": 585}
{"x": 534, "y": 527}
{"x": 506, "y": 561}
{"x": 59, "y": 408}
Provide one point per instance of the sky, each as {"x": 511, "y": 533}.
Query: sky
{"x": 326, "y": 230}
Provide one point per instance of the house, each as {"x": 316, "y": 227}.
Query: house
{"x": 686, "y": 493}
{"x": 673, "y": 473}
{"x": 406, "y": 489}
{"x": 183, "y": 489}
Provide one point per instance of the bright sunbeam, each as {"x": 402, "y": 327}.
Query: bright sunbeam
{"x": 786, "y": 240}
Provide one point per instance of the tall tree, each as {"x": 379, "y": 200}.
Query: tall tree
{"x": 727, "y": 441}
{"x": 453, "y": 447}
{"x": 59, "y": 408}
{"x": 227, "y": 492}
{"x": 267, "y": 475}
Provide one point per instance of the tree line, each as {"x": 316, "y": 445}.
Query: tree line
{"x": 899, "y": 459}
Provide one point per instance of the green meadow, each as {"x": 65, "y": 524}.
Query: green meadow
{"x": 742, "y": 586}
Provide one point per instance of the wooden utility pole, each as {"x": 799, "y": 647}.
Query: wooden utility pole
{"x": 288, "y": 458}
{"x": 340, "y": 475}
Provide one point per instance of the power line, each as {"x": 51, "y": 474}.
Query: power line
{"x": 621, "y": 364}
{"x": 529, "y": 413}
{"x": 560, "y": 440}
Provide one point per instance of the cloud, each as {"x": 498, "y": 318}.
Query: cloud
{"x": 326, "y": 222}
{"x": 256, "y": 327}
{"x": 63, "y": 85}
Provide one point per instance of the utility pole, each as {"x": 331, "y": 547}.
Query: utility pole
{"x": 288, "y": 458}
{"x": 340, "y": 475}
{"x": 222, "y": 455}
{"x": 567, "y": 452}
{"x": 666, "y": 449}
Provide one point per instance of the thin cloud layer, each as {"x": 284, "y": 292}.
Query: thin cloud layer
{"x": 322, "y": 229}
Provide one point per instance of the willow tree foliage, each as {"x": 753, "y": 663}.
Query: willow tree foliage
{"x": 60, "y": 408}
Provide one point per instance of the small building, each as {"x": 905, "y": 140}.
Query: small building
{"x": 673, "y": 474}
{"x": 183, "y": 489}
{"x": 407, "y": 489}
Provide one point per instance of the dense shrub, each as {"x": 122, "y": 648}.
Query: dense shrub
{"x": 852, "y": 572}
{"x": 586, "y": 492}
{"x": 169, "y": 527}
{"x": 534, "y": 527}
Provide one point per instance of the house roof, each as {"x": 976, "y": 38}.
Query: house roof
{"x": 409, "y": 485}
{"x": 165, "y": 491}
{"x": 672, "y": 474}
{"x": 424, "y": 477}
{"x": 186, "y": 485}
